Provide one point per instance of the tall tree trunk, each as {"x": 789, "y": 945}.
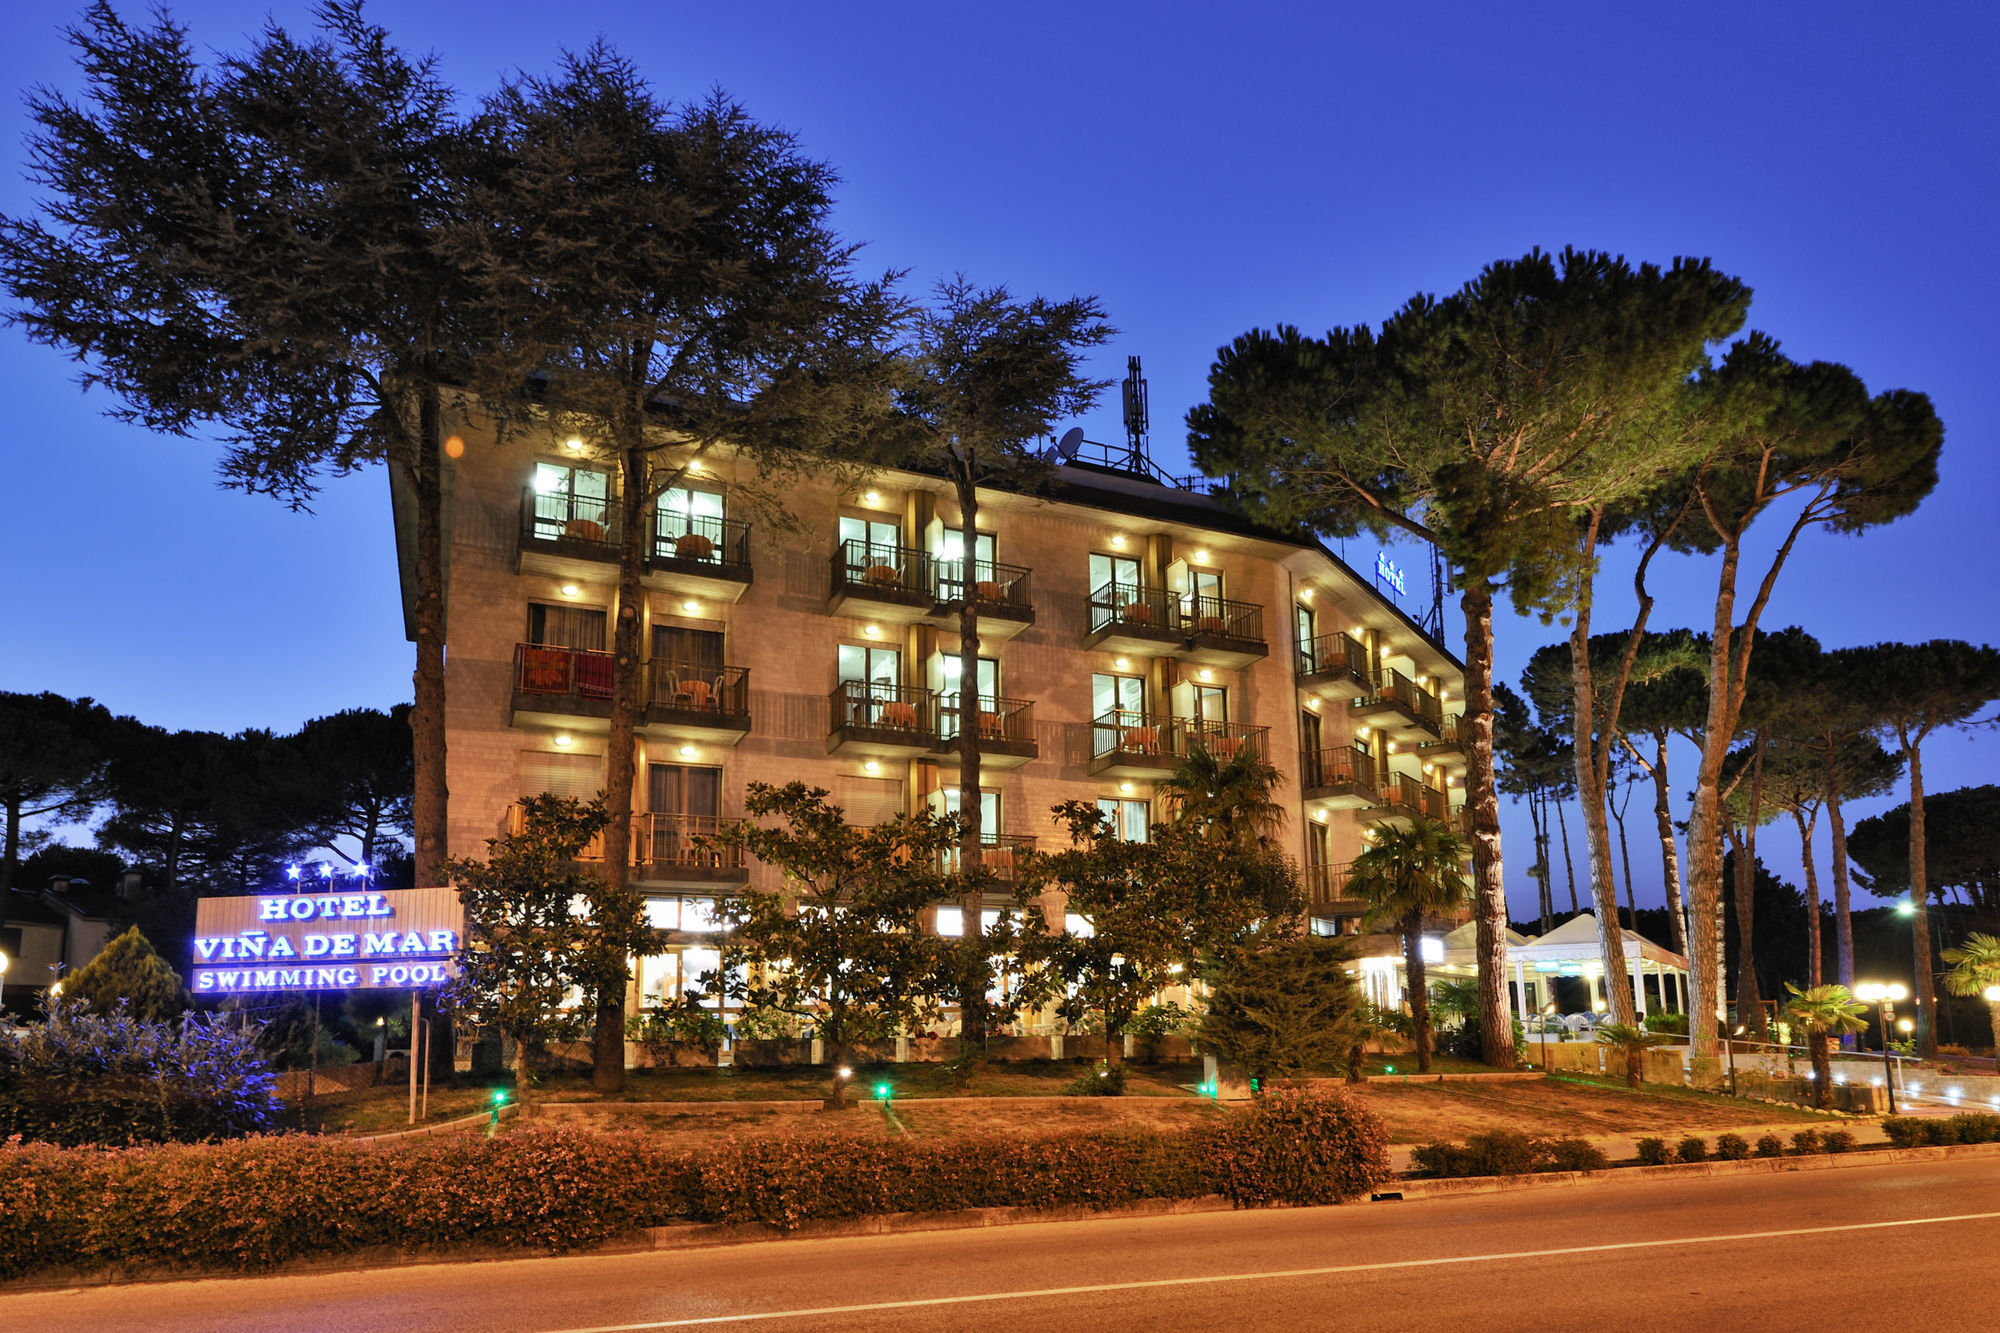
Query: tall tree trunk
{"x": 1592, "y": 740}
{"x": 11, "y": 856}
{"x": 1705, "y": 817}
{"x": 628, "y": 684}
{"x": 1496, "y": 1021}
{"x": 1843, "y": 923}
{"x": 1625, "y": 861}
{"x": 1749, "y": 1001}
{"x": 1813, "y": 944}
{"x": 1538, "y": 814}
{"x": 429, "y": 816}
{"x": 1419, "y": 988}
{"x": 1920, "y": 914}
{"x": 972, "y": 814}
{"x": 1670, "y": 856}
{"x": 1569, "y": 862}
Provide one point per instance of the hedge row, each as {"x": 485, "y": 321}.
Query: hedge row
{"x": 1506, "y": 1152}
{"x": 1736, "y": 1148}
{"x": 255, "y": 1203}
{"x": 1967, "y": 1127}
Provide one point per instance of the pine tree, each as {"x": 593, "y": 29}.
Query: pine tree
{"x": 128, "y": 969}
{"x": 1283, "y": 1006}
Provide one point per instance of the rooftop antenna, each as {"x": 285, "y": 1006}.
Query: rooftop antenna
{"x": 1135, "y": 408}
{"x": 1071, "y": 441}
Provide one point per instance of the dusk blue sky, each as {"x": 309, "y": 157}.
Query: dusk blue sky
{"x": 1202, "y": 170}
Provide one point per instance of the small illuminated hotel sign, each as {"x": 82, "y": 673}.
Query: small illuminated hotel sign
{"x": 392, "y": 939}
{"x": 1389, "y": 572}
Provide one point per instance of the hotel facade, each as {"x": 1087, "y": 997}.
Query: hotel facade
{"x": 1124, "y": 617}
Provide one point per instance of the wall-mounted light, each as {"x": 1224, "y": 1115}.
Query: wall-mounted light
{"x": 1305, "y": 594}
{"x": 687, "y": 752}
{"x": 1362, "y": 732}
{"x": 690, "y": 605}
{"x": 872, "y": 631}
{"x": 1125, "y": 787}
{"x": 562, "y": 742}
{"x": 1117, "y": 541}
{"x": 1201, "y": 557}
{"x": 1392, "y": 747}
{"x": 1206, "y": 674}
{"x": 570, "y": 590}
{"x": 871, "y": 767}
{"x": 1319, "y": 816}
{"x": 1313, "y": 704}
{"x": 872, "y": 497}
{"x": 574, "y": 445}
{"x": 1122, "y": 663}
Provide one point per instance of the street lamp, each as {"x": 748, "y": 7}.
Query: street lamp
{"x": 1885, "y": 997}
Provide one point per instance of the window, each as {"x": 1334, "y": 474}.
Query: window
{"x": 571, "y": 502}
{"x": 1211, "y": 704}
{"x": 561, "y": 774}
{"x": 1129, "y": 819}
{"x": 698, "y": 648}
{"x": 879, "y": 667}
{"x": 950, "y": 552}
{"x": 688, "y": 524}
{"x": 1306, "y": 624}
{"x": 868, "y": 801}
{"x": 678, "y": 789}
{"x": 1117, "y": 694}
{"x": 566, "y": 626}
{"x": 1310, "y": 733}
{"x": 947, "y": 803}
{"x": 880, "y": 538}
{"x": 989, "y": 677}
{"x": 1316, "y": 844}
{"x": 1121, "y": 570}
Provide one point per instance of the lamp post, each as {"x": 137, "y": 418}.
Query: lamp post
{"x": 1885, "y": 997}
{"x": 1548, "y": 1012}
{"x": 3, "y": 977}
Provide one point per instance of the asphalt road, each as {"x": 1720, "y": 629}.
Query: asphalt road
{"x": 1889, "y": 1247}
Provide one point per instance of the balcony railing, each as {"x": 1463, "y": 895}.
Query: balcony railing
{"x": 586, "y": 524}
{"x": 1405, "y": 795}
{"x": 1341, "y": 767}
{"x": 1000, "y": 589}
{"x": 1326, "y": 886}
{"x": 1131, "y": 733}
{"x": 1337, "y": 653}
{"x": 1000, "y": 720}
{"x": 693, "y": 687}
{"x": 514, "y": 822}
{"x": 1221, "y": 739}
{"x": 865, "y": 568}
{"x": 684, "y": 843}
{"x": 878, "y": 707}
{"x": 1135, "y": 608}
{"x": 576, "y": 673}
{"x": 1218, "y": 617}
{"x": 695, "y": 541}
{"x": 1393, "y": 687}
{"x": 999, "y": 853}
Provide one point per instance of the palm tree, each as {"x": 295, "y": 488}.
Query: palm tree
{"x": 1231, "y": 798}
{"x": 1826, "y": 1012}
{"x": 1631, "y": 1041}
{"x": 1975, "y": 970}
{"x": 1406, "y": 875}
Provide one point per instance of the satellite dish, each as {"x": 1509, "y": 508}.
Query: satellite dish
{"x": 1071, "y": 441}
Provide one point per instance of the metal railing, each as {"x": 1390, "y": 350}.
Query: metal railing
{"x": 698, "y": 539}
{"x": 877, "y": 706}
{"x": 1129, "y": 731}
{"x": 557, "y": 516}
{"x": 1326, "y": 885}
{"x": 1202, "y": 615}
{"x": 866, "y": 567}
{"x": 562, "y": 672}
{"x": 1401, "y": 794}
{"x": 1221, "y": 739}
{"x": 514, "y": 822}
{"x": 1134, "y": 607}
{"x": 694, "y": 687}
{"x": 684, "y": 842}
{"x": 1392, "y": 686}
{"x": 1340, "y": 766}
{"x": 994, "y": 586}
{"x": 999, "y": 853}
{"x": 1326, "y": 654}
{"x": 999, "y": 719}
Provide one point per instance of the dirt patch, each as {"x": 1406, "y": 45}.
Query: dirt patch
{"x": 1421, "y": 1113}
{"x": 920, "y": 1118}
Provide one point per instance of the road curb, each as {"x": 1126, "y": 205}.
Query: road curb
{"x": 1411, "y": 1190}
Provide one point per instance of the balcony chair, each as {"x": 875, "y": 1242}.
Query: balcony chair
{"x": 693, "y": 546}
{"x": 881, "y": 576}
{"x": 1139, "y": 740}
{"x": 1136, "y": 613}
{"x": 900, "y": 716}
{"x": 584, "y": 530}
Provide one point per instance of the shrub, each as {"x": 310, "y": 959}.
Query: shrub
{"x": 1298, "y": 1146}
{"x": 81, "y": 1077}
{"x": 1731, "y": 1147}
{"x": 1667, "y": 1024}
{"x": 1101, "y": 1080}
{"x": 1693, "y": 1148}
{"x": 662, "y": 1028}
{"x": 1837, "y": 1140}
{"x": 1655, "y": 1152}
{"x": 1807, "y": 1142}
{"x": 1160, "y": 1020}
{"x": 1441, "y": 1159}
{"x": 1966, "y": 1127}
{"x": 1977, "y": 1127}
{"x": 1501, "y": 1152}
{"x": 1903, "y": 1131}
{"x": 1770, "y": 1145}
{"x": 1568, "y": 1154}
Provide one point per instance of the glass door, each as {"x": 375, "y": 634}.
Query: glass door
{"x": 873, "y": 678}
{"x": 687, "y": 525}
{"x": 571, "y": 502}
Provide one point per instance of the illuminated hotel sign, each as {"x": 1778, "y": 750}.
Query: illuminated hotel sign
{"x": 1387, "y": 571}
{"x": 393, "y": 939}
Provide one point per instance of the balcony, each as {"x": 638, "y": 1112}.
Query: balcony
{"x": 572, "y": 536}
{"x": 1222, "y": 633}
{"x": 709, "y": 557}
{"x": 556, "y": 686}
{"x": 1398, "y": 706}
{"x": 1006, "y": 731}
{"x": 1000, "y": 854}
{"x": 1449, "y": 746}
{"x": 676, "y": 849}
{"x": 1126, "y": 743}
{"x": 1403, "y": 798}
{"x": 892, "y": 583}
{"x": 1335, "y": 666}
{"x": 697, "y": 702}
{"x": 1341, "y": 778}
{"x": 1139, "y": 621}
{"x": 1326, "y": 891}
{"x": 873, "y": 718}
{"x": 1002, "y": 596}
